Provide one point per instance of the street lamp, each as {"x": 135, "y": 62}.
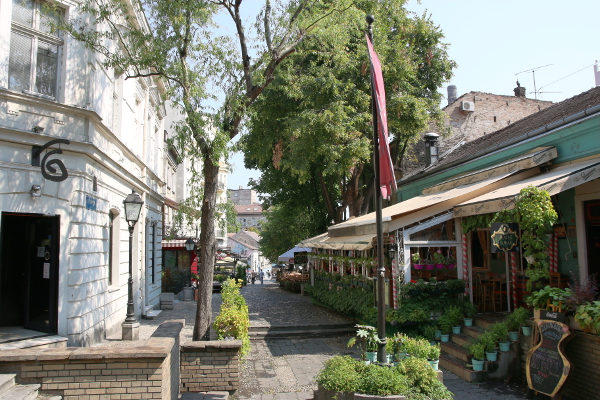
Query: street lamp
{"x": 190, "y": 244}
{"x": 133, "y": 206}
{"x": 392, "y": 251}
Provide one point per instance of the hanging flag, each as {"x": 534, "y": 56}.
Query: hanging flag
{"x": 387, "y": 181}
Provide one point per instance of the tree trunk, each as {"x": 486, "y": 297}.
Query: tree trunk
{"x": 208, "y": 247}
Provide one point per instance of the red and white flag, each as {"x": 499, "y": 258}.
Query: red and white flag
{"x": 387, "y": 181}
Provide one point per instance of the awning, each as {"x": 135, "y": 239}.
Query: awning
{"x": 314, "y": 241}
{"x": 175, "y": 243}
{"x": 285, "y": 257}
{"x": 555, "y": 181}
{"x": 421, "y": 207}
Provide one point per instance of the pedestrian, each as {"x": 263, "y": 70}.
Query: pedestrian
{"x": 253, "y": 277}
{"x": 262, "y": 276}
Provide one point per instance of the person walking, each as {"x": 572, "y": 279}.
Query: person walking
{"x": 253, "y": 277}
{"x": 262, "y": 276}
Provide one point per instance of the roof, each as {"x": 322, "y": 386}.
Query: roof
{"x": 248, "y": 209}
{"x": 548, "y": 119}
{"x": 246, "y": 245}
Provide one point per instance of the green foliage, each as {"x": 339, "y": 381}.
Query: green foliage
{"x": 472, "y": 222}
{"x": 233, "y": 320}
{"x": 413, "y": 377}
{"x": 382, "y": 381}
{"x": 220, "y": 278}
{"x": 556, "y": 296}
{"x": 341, "y": 374}
{"x": 454, "y": 315}
{"x": 312, "y": 126}
{"x": 469, "y": 309}
{"x": 422, "y": 380}
{"x": 240, "y": 274}
{"x": 445, "y": 323}
{"x": 367, "y": 338}
{"x": 588, "y": 315}
{"x": 517, "y": 318}
{"x": 478, "y": 350}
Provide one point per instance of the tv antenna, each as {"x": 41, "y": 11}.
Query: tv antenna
{"x": 532, "y": 70}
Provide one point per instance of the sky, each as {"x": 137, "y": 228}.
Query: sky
{"x": 496, "y": 42}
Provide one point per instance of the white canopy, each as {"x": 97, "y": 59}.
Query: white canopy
{"x": 285, "y": 257}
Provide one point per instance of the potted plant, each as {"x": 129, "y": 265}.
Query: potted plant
{"x": 450, "y": 261}
{"x": 515, "y": 320}
{"x": 445, "y": 324}
{"x": 368, "y": 342}
{"x": 469, "y": 309}
{"x": 478, "y": 351}
{"x": 456, "y": 317}
{"x": 429, "y": 332}
{"x": 489, "y": 342}
{"x": 439, "y": 259}
{"x": 455, "y": 286}
{"x": 500, "y": 333}
{"x": 433, "y": 355}
{"x": 588, "y": 316}
{"x": 417, "y": 261}
{"x": 398, "y": 346}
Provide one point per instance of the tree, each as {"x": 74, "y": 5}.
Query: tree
{"x": 178, "y": 46}
{"x": 314, "y": 121}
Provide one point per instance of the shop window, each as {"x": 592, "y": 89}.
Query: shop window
{"x": 33, "y": 65}
{"x": 442, "y": 231}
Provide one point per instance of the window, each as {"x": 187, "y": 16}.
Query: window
{"x": 113, "y": 248}
{"x": 151, "y": 260}
{"x": 34, "y": 49}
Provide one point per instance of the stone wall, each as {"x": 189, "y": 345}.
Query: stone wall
{"x": 148, "y": 370}
{"x": 210, "y": 366}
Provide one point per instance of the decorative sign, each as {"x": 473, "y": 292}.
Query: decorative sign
{"x": 547, "y": 365}
{"x": 291, "y": 261}
{"x": 48, "y": 165}
{"x": 300, "y": 257}
{"x": 505, "y": 237}
{"x": 90, "y": 203}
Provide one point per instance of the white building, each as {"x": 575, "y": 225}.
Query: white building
{"x": 64, "y": 251}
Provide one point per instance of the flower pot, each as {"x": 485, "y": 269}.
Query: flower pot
{"x": 438, "y": 335}
{"x": 492, "y": 356}
{"x": 440, "y": 266}
{"x": 468, "y": 321}
{"x": 388, "y": 358}
{"x": 429, "y": 266}
{"x": 456, "y": 330}
{"x": 513, "y": 336}
{"x": 371, "y": 356}
{"x": 434, "y": 364}
{"x": 418, "y": 266}
{"x": 478, "y": 365}
{"x": 526, "y": 330}
{"x": 504, "y": 346}
{"x": 450, "y": 266}
{"x": 445, "y": 338}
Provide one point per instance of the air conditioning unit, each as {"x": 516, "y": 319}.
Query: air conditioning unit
{"x": 467, "y": 106}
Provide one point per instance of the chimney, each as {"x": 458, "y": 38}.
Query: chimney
{"x": 431, "y": 150}
{"x": 241, "y": 187}
{"x": 597, "y": 74}
{"x": 451, "y": 94}
{"x": 519, "y": 91}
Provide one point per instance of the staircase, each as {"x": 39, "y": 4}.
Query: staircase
{"x": 258, "y": 332}
{"x": 9, "y": 390}
{"x": 454, "y": 356}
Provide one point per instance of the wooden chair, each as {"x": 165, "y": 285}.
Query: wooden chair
{"x": 558, "y": 280}
{"x": 500, "y": 294}
{"x": 486, "y": 289}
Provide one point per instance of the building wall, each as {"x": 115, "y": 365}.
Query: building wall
{"x": 243, "y": 196}
{"x": 491, "y": 113}
{"x": 115, "y": 129}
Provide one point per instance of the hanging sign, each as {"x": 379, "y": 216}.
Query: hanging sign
{"x": 547, "y": 365}
{"x": 505, "y": 237}
{"x": 300, "y": 257}
{"x": 48, "y": 165}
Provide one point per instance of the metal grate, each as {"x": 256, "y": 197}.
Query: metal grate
{"x": 46, "y": 69}
{"x": 19, "y": 65}
{"x": 22, "y": 12}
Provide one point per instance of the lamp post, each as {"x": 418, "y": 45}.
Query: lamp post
{"x": 133, "y": 206}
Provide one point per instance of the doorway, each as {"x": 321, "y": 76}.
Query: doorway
{"x": 592, "y": 236}
{"x": 29, "y": 271}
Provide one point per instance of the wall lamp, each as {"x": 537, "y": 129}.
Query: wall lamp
{"x": 35, "y": 191}
{"x": 37, "y": 129}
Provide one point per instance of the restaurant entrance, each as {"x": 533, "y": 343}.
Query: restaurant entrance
{"x": 29, "y": 271}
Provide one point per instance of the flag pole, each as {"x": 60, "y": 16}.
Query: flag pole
{"x": 381, "y": 356}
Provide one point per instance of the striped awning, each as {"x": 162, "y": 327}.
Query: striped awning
{"x": 175, "y": 243}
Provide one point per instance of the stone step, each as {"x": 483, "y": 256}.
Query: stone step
{"x": 461, "y": 339}
{"x": 315, "y": 332}
{"x": 151, "y": 314}
{"x": 455, "y": 350}
{"x": 205, "y": 396}
{"x": 460, "y": 368}
{"x": 6, "y": 382}
{"x": 486, "y": 320}
{"x": 50, "y": 341}
{"x": 473, "y": 331}
{"x": 22, "y": 392}
{"x": 281, "y": 328}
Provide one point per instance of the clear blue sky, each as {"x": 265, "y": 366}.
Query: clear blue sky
{"x": 493, "y": 40}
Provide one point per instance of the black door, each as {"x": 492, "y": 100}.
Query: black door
{"x": 592, "y": 236}
{"x": 29, "y": 271}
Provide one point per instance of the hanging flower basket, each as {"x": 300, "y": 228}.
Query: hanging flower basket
{"x": 429, "y": 266}
{"x": 418, "y": 266}
{"x": 451, "y": 265}
{"x": 440, "y": 266}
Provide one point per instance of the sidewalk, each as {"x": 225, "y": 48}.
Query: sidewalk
{"x": 282, "y": 369}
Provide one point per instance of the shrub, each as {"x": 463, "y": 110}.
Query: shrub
{"x": 341, "y": 374}
{"x": 517, "y": 318}
{"x": 422, "y": 380}
{"x": 382, "y": 381}
{"x": 233, "y": 320}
